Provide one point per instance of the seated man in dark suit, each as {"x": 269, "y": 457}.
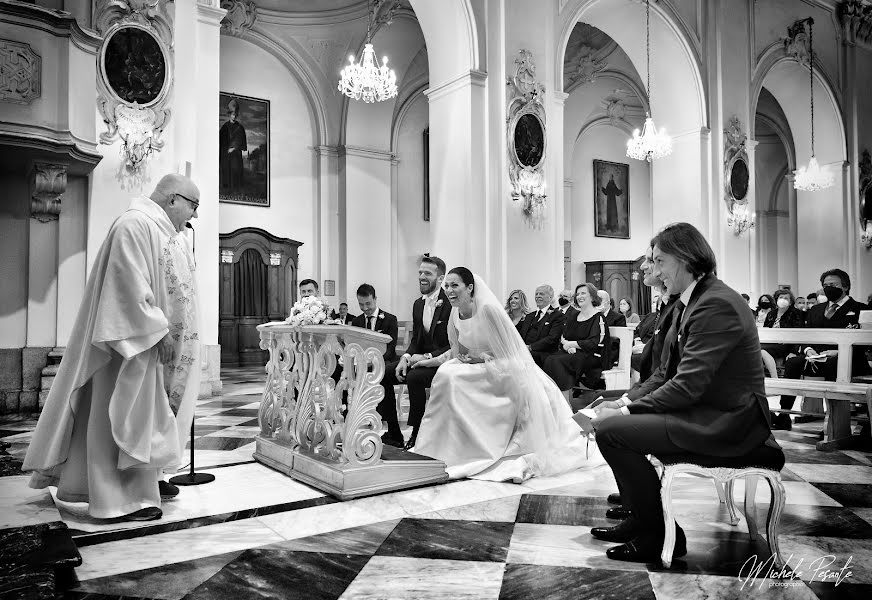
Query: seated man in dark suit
{"x": 343, "y": 315}
{"x": 542, "y": 328}
{"x": 707, "y": 395}
{"x": 839, "y": 312}
{"x": 374, "y": 319}
{"x": 613, "y": 319}
{"x": 430, "y": 315}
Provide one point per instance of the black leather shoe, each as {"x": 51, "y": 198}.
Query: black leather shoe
{"x": 144, "y": 514}
{"x": 782, "y": 423}
{"x": 618, "y": 512}
{"x": 396, "y": 442}
{"x": 411, "y": 443}
{"x": 646, "y": 549}
{"x": 622, "y": 533}
{"x": 614, "y": 499}
{"x": 168, "y": 491}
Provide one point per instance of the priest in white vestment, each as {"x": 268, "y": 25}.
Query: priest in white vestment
{"x": 120, "y": 409}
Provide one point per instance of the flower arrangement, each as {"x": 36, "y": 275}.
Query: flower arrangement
{"x": 310, "y": 310}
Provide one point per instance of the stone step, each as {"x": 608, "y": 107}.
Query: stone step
{"x": 37, "y": 560}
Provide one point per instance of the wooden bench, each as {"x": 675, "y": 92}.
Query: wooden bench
{"x": 618, "y": 378}
{"x": 839, "y": 394}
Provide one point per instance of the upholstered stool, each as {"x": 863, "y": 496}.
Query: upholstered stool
{"x": 764, "y": 461}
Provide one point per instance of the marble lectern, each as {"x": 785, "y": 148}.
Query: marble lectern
{"x": 304, "y": 431}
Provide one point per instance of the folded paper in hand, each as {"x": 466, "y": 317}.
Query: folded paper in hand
{"x": 583, "y": 418}
{"x": 816, "y": 358}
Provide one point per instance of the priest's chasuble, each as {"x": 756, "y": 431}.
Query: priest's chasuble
{"x": 116, "y": 416}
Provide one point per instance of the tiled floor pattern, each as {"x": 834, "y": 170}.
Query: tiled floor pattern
{"x": 254, "y": 533}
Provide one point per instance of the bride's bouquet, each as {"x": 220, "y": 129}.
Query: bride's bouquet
{"x": 310, "y": 310}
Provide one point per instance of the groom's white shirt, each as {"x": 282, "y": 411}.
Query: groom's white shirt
{"x": 429, "y": 308}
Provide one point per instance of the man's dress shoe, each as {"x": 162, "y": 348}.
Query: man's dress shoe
{"x": 168, "y": 491}
{"x": 149, "y": 513}
{"x": 618, "y": 512}
{"x": 647, "y": 549}
{"x": 410, "y": 444}
{"x": 614, "y": 499}
{"x": 622, "y": 533}
{"x": 396, "y": 442}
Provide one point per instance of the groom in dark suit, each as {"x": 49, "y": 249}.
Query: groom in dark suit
{"x": 709, "y": 397}
{"x": 542, "y": 328}
{"x": 375, "y": 319}
{"x": 430, "y": 315}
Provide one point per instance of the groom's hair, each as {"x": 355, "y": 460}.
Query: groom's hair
{"x": 435, "y": 261}
{"x": 465, "y": 276}
{"x": 686, "y": 243}
{"x": 308, "y": 281}
{"x": 366, "y": 290}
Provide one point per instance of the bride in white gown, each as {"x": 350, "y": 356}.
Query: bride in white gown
{"x": 492, "y": 413}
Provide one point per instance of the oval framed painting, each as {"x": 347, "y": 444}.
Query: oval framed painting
{"x": 134, "y": 65}
{"x": 739, "y": 179}
{"x": 528, "y": 140}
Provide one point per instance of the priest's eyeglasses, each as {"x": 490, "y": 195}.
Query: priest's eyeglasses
{"x": 195, "y": 203}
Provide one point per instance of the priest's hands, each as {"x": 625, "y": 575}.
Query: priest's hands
{"x": 165, "y": 351}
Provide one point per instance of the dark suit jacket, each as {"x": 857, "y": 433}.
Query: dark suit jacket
{"x": 791, "y": 319}
{"x": 710, "y": 383}
{"x": 653, "y": 350}
{"x": 348, "y": 318}
{"x": 613, "y": 319}
{"x": 542, "y": 335}
{"x": 385, "y": 323}
{"x": 848, "y": 314}
{"x": 433, "y": 340}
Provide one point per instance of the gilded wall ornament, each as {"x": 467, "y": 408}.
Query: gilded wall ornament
{"x": 20, "y": 72}
{"x": 796, "y": 43}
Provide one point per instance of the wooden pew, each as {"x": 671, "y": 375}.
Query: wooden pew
{"x": 838, "y": 394}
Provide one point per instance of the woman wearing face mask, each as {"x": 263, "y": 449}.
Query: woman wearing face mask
{"x": 626, "y": 309}
{"x": 785, "y": 315}
{"x": 764, "y": 305}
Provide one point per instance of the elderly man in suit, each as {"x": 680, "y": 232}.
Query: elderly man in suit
{"x": 708, "y": 394}
{"x": 839, "y": 312}
{"x": 613, "y": 319}
{"x": 430, "y": 315}
{"x": 375, "y": 319}
{"x": 541, "y": 329}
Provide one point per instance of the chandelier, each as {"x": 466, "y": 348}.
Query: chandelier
{"x": 814, "y": 177}
{"x": 650, "y": 144}
{"x": 364, "y": 80}
{"x": 739, "y": 219}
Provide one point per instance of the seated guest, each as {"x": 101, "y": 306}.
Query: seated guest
{"x": 707, "y": 396}
{"x": 764, "y": 304}
{"x": 625, "y": 308}
{"x": 585, "y": 337}
{"x": 613, "y": 319}
{"x": 747, "y": 298}
{"x": 517, "y": 306}
{"x": 840, "y": 311}
{"x": 384, "y": 322}
{"x": 801, "y": 305}
{"x": 541, "y": 329}
{"x": 784, "y": 316}
{"x": 564, "y": 301}
{"x": 430, "y": 315}
{"x": 343, "y": 315}
{"x": 309, "y": 287}
{"x": 815, "y": 298}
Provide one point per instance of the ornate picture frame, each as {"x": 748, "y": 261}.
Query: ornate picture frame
{"x": 611, "y": 199}
{"x": 737, "y": 173}
{"x": 244, "y": 150}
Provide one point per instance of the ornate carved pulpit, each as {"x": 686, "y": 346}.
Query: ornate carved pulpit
{"x": 306, "y": 433}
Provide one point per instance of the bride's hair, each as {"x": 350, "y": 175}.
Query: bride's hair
{"x": 466, "y": 276}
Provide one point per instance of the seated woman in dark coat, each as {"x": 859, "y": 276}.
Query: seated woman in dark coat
{"x": 582, "y": 346}
{"x": 784, "y": 315}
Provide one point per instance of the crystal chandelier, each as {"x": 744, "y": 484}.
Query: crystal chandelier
{"x": 364, "y": 80}
{"x": 814, "y": 177}
{"x": 739, "y": 219}
{"x": 651, "y": 143}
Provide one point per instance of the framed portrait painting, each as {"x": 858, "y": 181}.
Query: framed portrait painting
{"x": 611, "y": 199}
{"x": 243, "y": 150}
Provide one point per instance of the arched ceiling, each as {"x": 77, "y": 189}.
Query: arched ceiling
{"x": 306, "y": 5}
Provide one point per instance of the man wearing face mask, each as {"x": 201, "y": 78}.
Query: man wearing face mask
{"x": 836, "y": 311}
{"x": 565, "y": 301}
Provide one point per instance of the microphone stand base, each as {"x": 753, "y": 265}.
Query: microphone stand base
{"x": 192, "y": 479}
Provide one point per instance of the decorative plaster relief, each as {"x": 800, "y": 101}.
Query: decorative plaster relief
{"x": 856, "y": 19}
{"x": 616, "y": 106}
{"x": 796, "y": 43}
{"x": 48, "y": 185}
{"x": 585, "y": 67}
{"x": 20, "y": 67}
{"x": 240, "y": 17}
{"x": 328, "y": 53}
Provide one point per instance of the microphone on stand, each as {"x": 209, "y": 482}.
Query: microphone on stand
{"x": 192, "y": 478}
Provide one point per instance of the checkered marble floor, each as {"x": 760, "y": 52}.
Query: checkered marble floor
{"x": 254, "y": 533}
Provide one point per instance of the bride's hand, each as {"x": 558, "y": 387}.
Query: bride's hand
{"x": 470, "y": 360}
{"x": 427, "y": 362}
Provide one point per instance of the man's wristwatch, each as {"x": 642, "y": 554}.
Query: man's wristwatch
{"x": 428, "y": 356}
{"x": 406, "y": 356}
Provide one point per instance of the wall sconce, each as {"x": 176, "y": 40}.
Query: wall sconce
{"x": 136, "y": 130}
{"x": 227, "y": 256}
{"x": 866, "y": 235}
{"x": 739, "y": 220}
{"x": 275, "y": 259}
{"x": 530, "y": 190}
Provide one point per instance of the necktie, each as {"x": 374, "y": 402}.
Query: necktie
{"x": 674, "y": 359}
{"x": 831, "y": 310}
{"x": 538, "y": 314}
{"x": 427, "y": 316}
{"x": 369, "y": 321}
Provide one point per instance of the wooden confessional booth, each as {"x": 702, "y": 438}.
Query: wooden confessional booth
{"x": 258, "y": 285}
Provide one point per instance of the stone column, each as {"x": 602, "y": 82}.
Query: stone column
{"x": 328, "y": 242}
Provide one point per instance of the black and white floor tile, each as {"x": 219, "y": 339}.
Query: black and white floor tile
{"x": 254, "y": 533}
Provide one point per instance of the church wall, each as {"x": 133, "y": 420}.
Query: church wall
{"x": 14, "y": 212}
{"x": 604, "y": 142}
{"x": 413, "y": 234}
{"x": 250, "y": 71}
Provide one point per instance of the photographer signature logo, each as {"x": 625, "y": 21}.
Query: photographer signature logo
{"x": 821, "y": 568}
